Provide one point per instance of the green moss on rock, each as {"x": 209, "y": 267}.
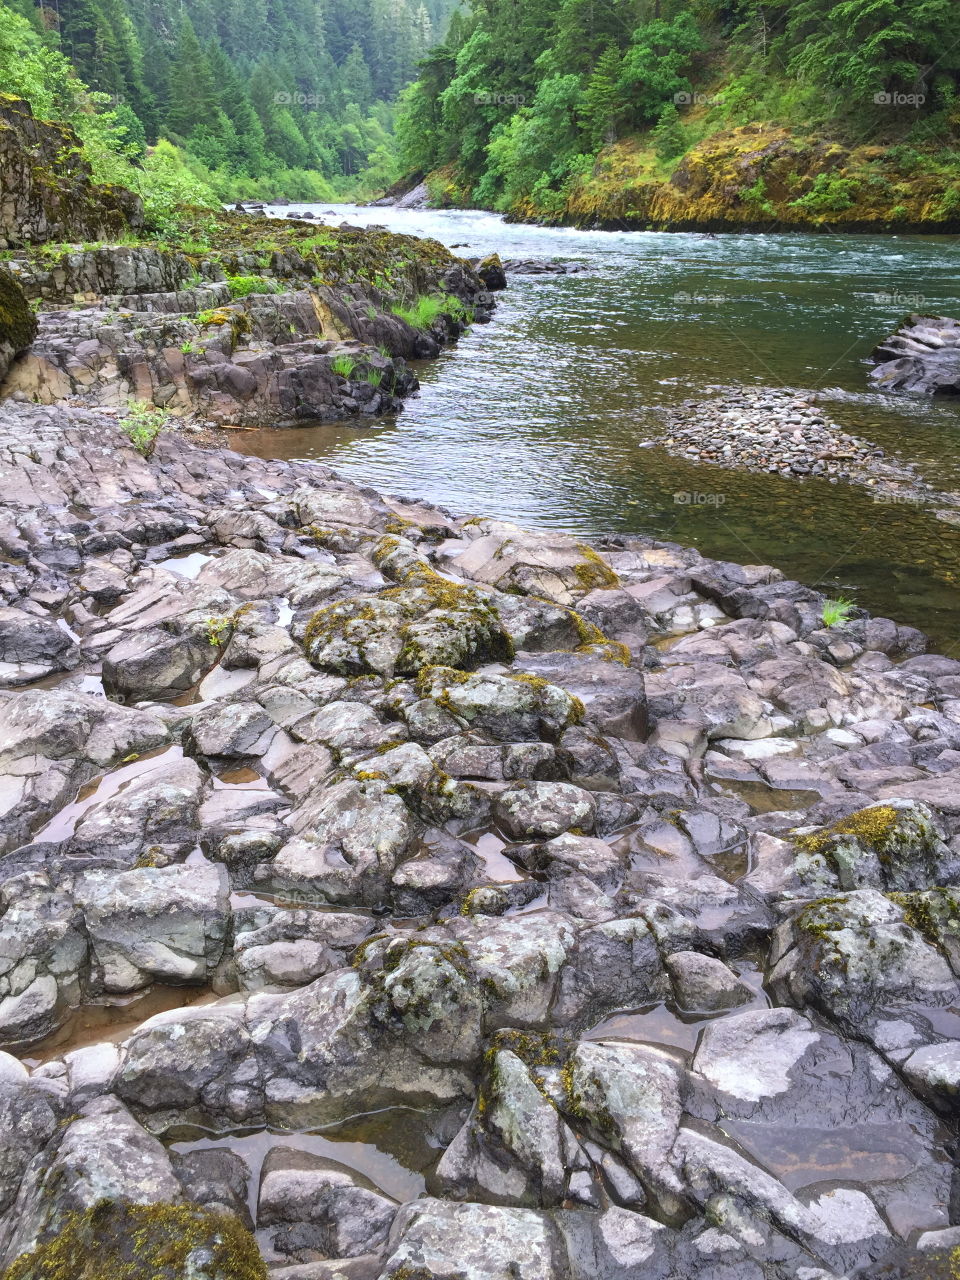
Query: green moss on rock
{"x": 18, "y": 324}
{"x": 119, "y": 1241}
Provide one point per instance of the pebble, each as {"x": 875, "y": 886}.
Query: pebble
{"x": 783, "y": 433}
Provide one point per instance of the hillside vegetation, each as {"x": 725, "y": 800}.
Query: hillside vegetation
{"x": 688, "y": 112}
{"x": 269, "y": 98}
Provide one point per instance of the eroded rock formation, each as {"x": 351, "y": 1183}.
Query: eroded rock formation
{"x": 610, "y": 888}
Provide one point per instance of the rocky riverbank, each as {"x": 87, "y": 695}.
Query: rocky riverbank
{"x": 607, "y": 886}
{"x": 787, "y": 433}
{"x": 392, "y": 895}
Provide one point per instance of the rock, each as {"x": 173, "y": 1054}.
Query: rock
{"x": 146, "y": 1242}
{"x": 491, "y": 272}
{"x": 104, "y": 1154}
{"x": 155, "y": 813}
{"x": 471, "y": 1242}
{"x": 55, "y": 200}
{"x": 922, "y": 356}
{"x": 634, "y": 1093}
{"x": 702, "y": 983}
{"x": 154, "y": 665}
{"x": 315, "y": 1207}
{"x": 612, "y": 695}
{"x": 155, "y": 924}
{"x": 515, "y": 1149}
{"x": 543, "y": 810}
{"x": 215, "y": 1179}
{"x": 237, "y": 731}
{"x": 509, "y": 708}
{"x": 18, "y": 324}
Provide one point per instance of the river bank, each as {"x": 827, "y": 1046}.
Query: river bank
{"x": 393, "y": 891}
{"x": 758, "y": 178}
{"x": 477, "y": 821}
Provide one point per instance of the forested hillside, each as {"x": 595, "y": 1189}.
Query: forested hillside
{"x": 513, "y": 109}
{"x": 266, "y": 97}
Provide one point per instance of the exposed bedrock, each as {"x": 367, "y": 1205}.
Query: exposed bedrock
{"x": 923, "y": 356}
{"x": 468, "y": 903}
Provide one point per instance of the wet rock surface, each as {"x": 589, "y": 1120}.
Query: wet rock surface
{"x": 554, "y": 910}
{"x": 923, "y": 356}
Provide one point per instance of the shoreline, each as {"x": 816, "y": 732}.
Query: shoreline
{"x": 454, "y": 794}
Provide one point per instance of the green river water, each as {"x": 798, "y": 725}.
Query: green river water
{"x": 546, "y": 415}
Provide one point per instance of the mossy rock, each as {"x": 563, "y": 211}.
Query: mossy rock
{"x": 119, "y": 1241}
{"x": 18, "y": 324}
{"x": 894, "y": 845}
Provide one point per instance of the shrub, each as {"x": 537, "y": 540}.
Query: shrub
{"x": 243, "y": 286}
{"x": 836, "y": 612}
{"x": 423, "y": 312}
{"x": 142, "y": 424}
{"x": 829, "y": 194}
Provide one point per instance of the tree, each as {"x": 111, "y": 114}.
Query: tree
{"x": 357, "y": 85}
{"x": 669, "y": 135}
{"x": 601, "y": 101}
{"x": 654, "y": 65}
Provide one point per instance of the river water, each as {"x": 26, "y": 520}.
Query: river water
{"x": 545, "y": 416}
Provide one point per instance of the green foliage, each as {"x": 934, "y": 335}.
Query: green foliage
{"x": 166, "y": 184}
{"x": 423, "y": 312}
{"x": 243, "y": 286}
{"x": 527, "y": 96}
{"x": 669, "y": 136}
{"x": 836, "y": 612}
{"x": 142, "y": 423}
{"x": 829, "y": 194}
{"x": 343, "y": 365}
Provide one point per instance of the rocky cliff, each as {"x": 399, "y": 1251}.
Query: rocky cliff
{"x": 18, "y": 324}
{"x": 46, "y": 191}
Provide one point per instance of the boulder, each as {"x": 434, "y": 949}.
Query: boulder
{"x": 923, "y": 356}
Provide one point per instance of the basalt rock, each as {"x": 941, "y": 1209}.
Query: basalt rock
{"x": 453, "y": 870}
{"x": 48, "y": 193}
{"x": 18, "y": 324}
{"x": 923, "y": 356}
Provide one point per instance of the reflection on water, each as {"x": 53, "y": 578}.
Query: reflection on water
{"x": 394, "y": 1149}
{"x": 546, "y": 415}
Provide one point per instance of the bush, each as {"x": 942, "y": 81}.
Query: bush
{"x": 243, "y": 286}
{"x": 166, "y": 184}
{"x": 423, "y": 313}
{"x": 829, "y": 194}
{"x": 142, "y": 424}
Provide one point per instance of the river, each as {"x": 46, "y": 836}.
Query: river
{"x": 546, "y": 415}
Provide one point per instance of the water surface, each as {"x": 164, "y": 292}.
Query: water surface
{"x": 546, "y": 416}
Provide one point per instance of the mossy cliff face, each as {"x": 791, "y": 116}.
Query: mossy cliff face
{"x": 18, "y": 324}
{"x": 117, "y": 1241}
{"x": 760, "y": 177}
{"x": 48, "y": 192}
